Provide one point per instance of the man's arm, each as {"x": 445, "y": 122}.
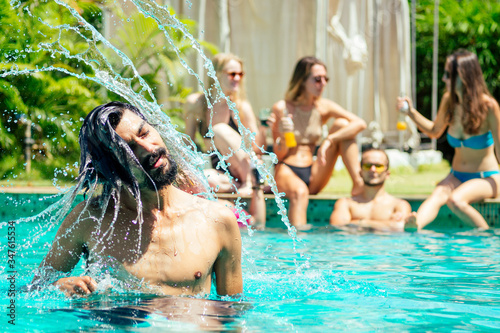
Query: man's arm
{"x": 380, "y": 225}
{"x": 227, "y": 267}
{"x": 396, "y": 222}
{"x": 341, "y": 214}
{"x": 65, "y": 253}
{"x": 402, "y": 210}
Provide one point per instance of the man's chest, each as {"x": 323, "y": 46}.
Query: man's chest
{"x": 170, "y": 258}
{"x": 376, "y": 210}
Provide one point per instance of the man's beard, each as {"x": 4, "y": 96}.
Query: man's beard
{"x": 374, "y": 184}
{"x": 161, "y": 176}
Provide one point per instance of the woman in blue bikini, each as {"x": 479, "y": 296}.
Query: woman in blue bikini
{"x": 304, "y": 112}
{"x": 472, "y": 117}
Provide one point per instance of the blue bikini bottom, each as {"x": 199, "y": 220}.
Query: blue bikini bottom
{"x": 465, "y": 176}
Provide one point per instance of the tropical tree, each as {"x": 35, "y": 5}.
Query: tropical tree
{"x": 156, "y": 60}
{"x": 468, "y": 24}
{"x": 49, "y": 106}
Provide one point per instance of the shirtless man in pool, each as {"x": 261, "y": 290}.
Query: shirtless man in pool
{"x": 174, "y": 242}
{"x": 373, "y": 208}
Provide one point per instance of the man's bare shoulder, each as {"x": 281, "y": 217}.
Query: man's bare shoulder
{"x": 217, "y": 211}
{"x": 91, "y": 207}
{"x": 395, "y": 200}
{"x": 400, "y": 200}
{"x": 81, "y": 218}
{"x": 211, "y": 210}
{"x": 344, "y": 204}
{"x": 349, "y": 201}
{"x": 402, "y": 203}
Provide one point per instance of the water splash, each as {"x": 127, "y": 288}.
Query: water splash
{"x": 97, "y": 56}
{"x": 106, "y": 75}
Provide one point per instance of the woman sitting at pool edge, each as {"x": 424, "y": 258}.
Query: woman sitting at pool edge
{"x": 304, "y": 112}
{"x": 226, "y": 136}
{"x": 472, "y": 117}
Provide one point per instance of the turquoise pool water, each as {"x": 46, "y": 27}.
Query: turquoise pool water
{"x": 325, "y": 280}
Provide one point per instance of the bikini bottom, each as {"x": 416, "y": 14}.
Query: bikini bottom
{"x": 215, "y": 160}
{"x": 241, "y": 223}
{"x": 303, "y": 173}
{"x": 465, "y": 176}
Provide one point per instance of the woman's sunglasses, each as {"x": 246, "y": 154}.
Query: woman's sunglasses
{"x": 232, "y": 75}
{"x": 446, "y": 75}
{"x": 319, "y": 78}
{"x": 378, "y": 167}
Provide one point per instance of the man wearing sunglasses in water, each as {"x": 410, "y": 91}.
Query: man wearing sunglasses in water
{"x": 373, "y": 208}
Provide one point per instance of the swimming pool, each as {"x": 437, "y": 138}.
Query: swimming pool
{"x": 327, "y": 279}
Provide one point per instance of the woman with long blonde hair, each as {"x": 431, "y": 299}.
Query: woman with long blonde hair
{"x": 227, "y": 138}
{"x": 227, "y": 132}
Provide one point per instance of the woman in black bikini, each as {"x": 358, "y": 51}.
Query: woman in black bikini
{"x": 472, "y": 117}
{"x": 304, "y": 112}
{"x": 227, "y": 138}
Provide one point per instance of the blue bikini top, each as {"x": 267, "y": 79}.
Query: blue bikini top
{"x": 481, "y": 141}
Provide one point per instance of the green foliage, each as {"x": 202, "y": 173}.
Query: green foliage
{"x": 156, "y": 60}
{"x": 468, "y": 24}
{"x": 50, "y": 105}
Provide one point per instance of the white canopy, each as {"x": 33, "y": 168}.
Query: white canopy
{"x": 365, "y": 45}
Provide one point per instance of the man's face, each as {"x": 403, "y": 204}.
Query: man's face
{"x": 149, "y": 148}
{"x": 374, "y": 168}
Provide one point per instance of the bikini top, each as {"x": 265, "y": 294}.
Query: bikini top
{"x": 308, "y": 127}
{"x": 481, "y": 141}
{"x": 203, "y": 126}
{"x": 232, "y": 124}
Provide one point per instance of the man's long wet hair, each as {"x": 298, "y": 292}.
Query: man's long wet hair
{"x": 105, "y": 157}
{"x": 106, "y": 164}
{"x": 106, "y": 160}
